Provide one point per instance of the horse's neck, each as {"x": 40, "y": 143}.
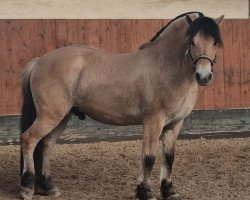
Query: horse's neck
{"x": 172, "y": 47}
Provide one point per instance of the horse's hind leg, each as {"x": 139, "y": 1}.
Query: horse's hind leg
{"x": 43, "y": 150}
{"x": 44, "y": 124}
{"x": 170, "y": 134}
{"x": 152, "y": 129}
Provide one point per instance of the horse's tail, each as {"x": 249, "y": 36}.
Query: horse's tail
{"x": 28, "y": 112}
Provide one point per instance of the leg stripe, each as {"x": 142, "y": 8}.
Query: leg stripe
{"x": 28, "y": 180}
{"x": 149, "y": 162}
{"x": 169, "y": 159}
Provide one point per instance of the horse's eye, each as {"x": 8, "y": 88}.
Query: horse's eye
{"x": 215, "y": 44}
{"x": 192, "y": 43}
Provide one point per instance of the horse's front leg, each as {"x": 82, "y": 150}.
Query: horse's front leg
{"x": 169, "y": 134}
{"x": 152, "y": 127}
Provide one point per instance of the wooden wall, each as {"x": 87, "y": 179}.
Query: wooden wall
{"x": 22, "y": 40}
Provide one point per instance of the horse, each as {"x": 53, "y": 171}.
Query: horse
{"x": 155, "y": 86}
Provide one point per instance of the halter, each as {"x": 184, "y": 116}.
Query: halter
{"x": 202, "y": 56}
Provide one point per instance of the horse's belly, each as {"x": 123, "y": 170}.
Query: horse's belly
{"x": 110, "y": 102}
{"x": 111, "y": 114}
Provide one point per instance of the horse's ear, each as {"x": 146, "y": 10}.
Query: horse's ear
{"x": 189, "y": 20}
{"x": 219, "y": 19}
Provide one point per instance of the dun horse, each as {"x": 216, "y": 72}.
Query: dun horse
{"x": 155, "y": 86}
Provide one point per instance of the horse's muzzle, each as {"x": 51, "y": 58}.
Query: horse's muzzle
{"x": 204, "y": 80}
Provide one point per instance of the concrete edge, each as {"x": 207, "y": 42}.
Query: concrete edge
{"x": 210, "y": 124}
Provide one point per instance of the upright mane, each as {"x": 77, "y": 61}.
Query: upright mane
{"x": 153, "y": 39}
{"x": 207, "y": 27}
{"x": 182, "y": 15}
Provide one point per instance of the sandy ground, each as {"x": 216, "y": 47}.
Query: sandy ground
{"x": 203, "y": 169}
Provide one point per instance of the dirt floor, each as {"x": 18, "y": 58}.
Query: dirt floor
{"x": 203, "y": 169}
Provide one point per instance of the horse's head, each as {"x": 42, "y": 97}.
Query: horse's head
{"x": 203, "y": 35}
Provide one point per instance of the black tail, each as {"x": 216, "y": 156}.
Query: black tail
{"x": 28, "y": 116}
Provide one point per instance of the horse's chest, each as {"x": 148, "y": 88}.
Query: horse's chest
{"x": 182, "y": 108}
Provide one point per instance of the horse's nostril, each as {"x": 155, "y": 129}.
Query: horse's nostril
{"x": 210, "y": 77}
{"x": 197, "y": 75}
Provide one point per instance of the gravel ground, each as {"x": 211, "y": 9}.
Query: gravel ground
{"x": 203, "y": 169}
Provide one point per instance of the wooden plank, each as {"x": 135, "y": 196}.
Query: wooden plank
{"x": 235, "y": 67}
{"x": 135, "y": 34}
{"x": 115, "y": 36}
{"x": 145, "y": 31}
{"x": 141, "y": 32}
{"x": 39, "y": 37}
{"x": 156, "y": 25}
{"x": 50, "y": 34}
{"x": 245, "y": 63}
{"x": 126, "y": 35}
{"x": 227, "y": 60}
{"x": 2, "y": 61}
{"x": 83, "y": 32}
{"x": 72, "y": 32}
{"x": 22, "y": 52}
{"x": 27, "y": 42}
{"x": 209, "y": 96}
{"x": 219, "y": 87}
{"x": 17, "y": 54}
{"x": 7, "y": 76}
{"x": 104, "y": 32}
{"x": 44, "y": 36}
{"x": 26, "y": 47}
{"x": 200, "y": 103}
{"x": 61, "y": 36}
{"x": 123, "y": 36}
{"x": 93, "y": 36}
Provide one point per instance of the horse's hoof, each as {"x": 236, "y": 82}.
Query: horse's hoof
{"x": 174, "y": 197}
{"x": 25, "y": 194}
{"x": 143, "y": 192}
{"x": 153, "y": 198}
{"x": 53, "y": 192}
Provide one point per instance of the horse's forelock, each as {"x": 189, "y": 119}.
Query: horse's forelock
{"x": 207, "y": 27}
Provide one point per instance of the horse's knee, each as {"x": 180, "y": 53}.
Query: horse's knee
{"x": 27, "y": 142}
{"x": 24, "y": 137}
